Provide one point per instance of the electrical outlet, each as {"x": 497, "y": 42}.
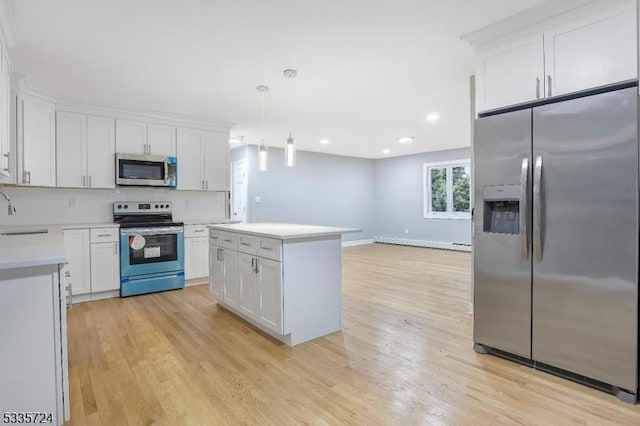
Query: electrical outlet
{"x": 258, "y": 199}
{"x": 406, "y": 230}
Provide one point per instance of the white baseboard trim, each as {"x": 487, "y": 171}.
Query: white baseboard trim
{"x": 357, "y": 242}
{"x": 422, "y": 243}
{"x": 196, "y": 281}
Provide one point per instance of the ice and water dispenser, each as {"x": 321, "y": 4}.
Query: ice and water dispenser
{"x": 502, "y": 209}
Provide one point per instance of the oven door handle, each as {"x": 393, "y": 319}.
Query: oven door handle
{"x": 153, "y": 231}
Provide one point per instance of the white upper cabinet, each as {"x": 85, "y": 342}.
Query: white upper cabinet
{"x": 581, "y": 49}
{"x": 71, "y": 148}
{"x": 131, "y": 137}
{"x": 161, "y": 140}
{"x": 36, "y": 138}
{"x": 215, "y": 153}
{"x": 510, "y": 74}
{"x": 85, "y": 148}
{"x": 592, "y": 52}
{"x": 7, "y": 151}
{"x": 203, "y": 160}
{"x": 190, "y": 160}
{"x": 101, "y": 151}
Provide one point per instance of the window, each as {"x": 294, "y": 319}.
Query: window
{"x": 447, "y": 188}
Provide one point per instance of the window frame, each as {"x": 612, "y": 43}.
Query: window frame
{"x": 426, "y": 185}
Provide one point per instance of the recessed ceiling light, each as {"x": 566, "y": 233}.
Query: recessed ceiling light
{"x": 324, "y": 141}
{"x": 236, "y": 139}
{"x": 433, "y": 117}
{"x": 405, "y": 139}
{"x": 386, "y": 151}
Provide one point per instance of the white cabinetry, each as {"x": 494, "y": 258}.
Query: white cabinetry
{"x": 34, "y": 346}
{"x": 269, "y": 294}
{"x": 137, "y": 137}
{"x": 231, "y": 290}
{"x": 510, "y": 74}
{"x": 94, "y": 262}
{"x": 85, "y": 148}
{"x": 578, "y": 51}
{"x": 248, "y": 283}
{"x": 203, "y": 158}
{"x": 131, "y": 137}
{"x": 78, "y": 271}
{"x": 7, "y": 150}
{"x": 592, "y": 52}
{"x": 216, "y": 274}
{"x": 36, "y": 140}
{"x": 196, "y": 252}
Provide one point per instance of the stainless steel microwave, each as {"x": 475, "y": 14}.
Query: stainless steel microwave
{"x": 146, "y": 170}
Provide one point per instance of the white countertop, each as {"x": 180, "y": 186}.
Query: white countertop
{"x": 284, "y": 231}
{"x": 88, "y": 225}
{"x": 22, "y": 251}
{"x": 209, "y": 222}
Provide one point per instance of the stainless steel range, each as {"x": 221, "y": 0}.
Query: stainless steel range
{"x": 151, "y": 247}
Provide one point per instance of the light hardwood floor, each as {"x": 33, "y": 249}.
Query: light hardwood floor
{"x": 404, "y": 357}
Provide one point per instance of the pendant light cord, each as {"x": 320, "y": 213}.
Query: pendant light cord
{"x": 290, "y": 107}
{"x": 262, "y": 131}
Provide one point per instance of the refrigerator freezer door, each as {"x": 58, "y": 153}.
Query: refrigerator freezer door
{"x": 502, "y": 248}
{"x": 585, "y": 287}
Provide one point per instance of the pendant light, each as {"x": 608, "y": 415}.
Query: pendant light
{"x": 262, "y": 150}
{"x": 290, "y": 147}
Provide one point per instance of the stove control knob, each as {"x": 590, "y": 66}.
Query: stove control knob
{"x": 157, "y": 206}
{"x": 126, "y": 206}
{"x": 119, "y": 206}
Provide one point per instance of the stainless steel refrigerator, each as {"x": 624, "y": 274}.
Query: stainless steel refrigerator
{"x": 556, "y": 237}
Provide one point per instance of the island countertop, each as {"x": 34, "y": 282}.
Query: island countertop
{"x": 284, "y": 231}
{"x": 33, "y": 247}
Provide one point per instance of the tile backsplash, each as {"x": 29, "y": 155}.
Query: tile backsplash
{"x": 59, "y": 206}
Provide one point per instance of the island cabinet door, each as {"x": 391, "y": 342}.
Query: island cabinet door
{"x": 216, "y": 274}
{"x": 270, "y": 294}
{"x": 248, "y": 282}
{"x": 230, "y": 286}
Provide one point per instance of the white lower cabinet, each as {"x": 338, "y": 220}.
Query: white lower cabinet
{"x": 269, "y": 294}
{"x": 78, "y": 271}
{"x": 231, "y": 289}
{"x": 216, "y": 275}
{"x": 105, "y": 267}
{"x": 94, "y": 262}
{"x": 247, "y": 285}
{"x": 196, "y": 252}
{"x": 34, "y": 346}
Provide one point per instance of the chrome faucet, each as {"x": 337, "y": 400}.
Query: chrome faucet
{"x": 11, "y": 209}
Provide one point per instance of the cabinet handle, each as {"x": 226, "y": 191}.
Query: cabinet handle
{"x": 90, "y": 184}
{"x": 29, "y": 176}
{"x": 207, "y": 184}
{"x": 228, "y": 241}
{"x": 222, "y": 254}
{"x": 549, "y": 83}
{"x": 115, "y": 249}
{"x": 245, "y": 244}
{"x": 265, "y": 248}
{"x": 218, "y": 254}
{"x": 84, "y": 181}
{"x": 70, "y": 290}
{"x": 537, "y": 87}
{"x": 253, "y": 264}
{"x": 149, "y": 148}
{"x": 198, "y": 230}
{"x": 256, "y": 267}
{"x": 67, "y": 274}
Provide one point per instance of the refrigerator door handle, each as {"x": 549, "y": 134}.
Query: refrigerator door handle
{"x": 537, "y": 209}
{"x": 524, "y": 216}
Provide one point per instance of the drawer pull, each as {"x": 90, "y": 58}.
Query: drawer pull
{"x": 245, "y": 244}
{"x": 266, "y": 248}
{"x": 228, "y": 241}
{"x": 104, "y": 235}
{"x": 198, "y": 230}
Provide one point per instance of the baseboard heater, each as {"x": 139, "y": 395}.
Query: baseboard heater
{"x": 423, "y": 243}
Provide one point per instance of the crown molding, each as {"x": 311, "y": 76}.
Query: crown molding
{"x": 69, "y": 104}
{"x": 8, "y": 26}
{"x": 523, "y": 20}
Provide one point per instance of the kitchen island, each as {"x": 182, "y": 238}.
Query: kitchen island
{"x": 285, "y": 279}
{"x": 33, "y": 359}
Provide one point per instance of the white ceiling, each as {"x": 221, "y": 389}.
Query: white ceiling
{"x": 369, "y": 70}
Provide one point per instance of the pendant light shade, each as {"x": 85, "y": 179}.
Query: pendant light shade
{"x": 263, "y": 155}
{"x": 290, "y": 152}
{"x": 290, "y": 146}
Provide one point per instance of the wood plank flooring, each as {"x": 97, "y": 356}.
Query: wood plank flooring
{"x": 404, "y": 357}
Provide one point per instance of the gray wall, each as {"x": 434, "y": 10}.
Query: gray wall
{"x": 383, "y": 197}
{"x": 398, "y": 204}
{"x": 321, "y": 190}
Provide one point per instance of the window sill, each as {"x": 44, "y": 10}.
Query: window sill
{"x": 448, "y": 217}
